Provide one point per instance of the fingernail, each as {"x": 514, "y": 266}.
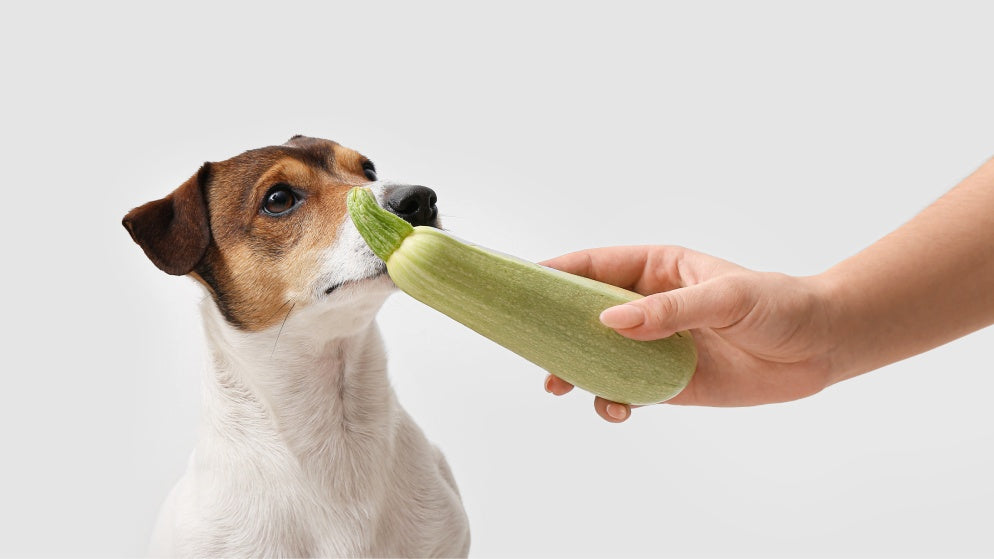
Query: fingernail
{"x": 623, "y": 316}
{"x": 617, "y": 411}
{"x": 548, "y": 381}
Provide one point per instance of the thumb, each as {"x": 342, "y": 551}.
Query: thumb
{"x": 712, "y": 304}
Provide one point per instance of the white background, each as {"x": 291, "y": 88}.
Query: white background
{"x": 779, "y": 136}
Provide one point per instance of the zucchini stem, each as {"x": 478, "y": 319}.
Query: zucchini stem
{"x": 382, "y": 230}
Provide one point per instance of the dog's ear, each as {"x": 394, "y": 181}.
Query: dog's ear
{"x": 174, "y": 232}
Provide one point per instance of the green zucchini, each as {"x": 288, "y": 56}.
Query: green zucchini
{"x": 546, "y": 316}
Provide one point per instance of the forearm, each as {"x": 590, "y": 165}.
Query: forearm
{"x": 927, "y": 283}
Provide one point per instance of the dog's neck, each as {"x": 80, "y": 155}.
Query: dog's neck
{"x": 312, "y": 391}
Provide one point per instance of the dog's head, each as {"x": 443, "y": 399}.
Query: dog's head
{"x": 268, "y": 230}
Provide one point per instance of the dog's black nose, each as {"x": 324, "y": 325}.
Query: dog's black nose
{"x": 416, "y": 204}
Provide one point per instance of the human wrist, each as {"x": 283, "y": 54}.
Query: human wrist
{"x": 842, "y": 325}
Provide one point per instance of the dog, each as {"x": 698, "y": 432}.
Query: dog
{"x": 303, "y": 447}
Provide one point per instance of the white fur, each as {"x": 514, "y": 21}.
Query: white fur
{"x": 304, "y": 450}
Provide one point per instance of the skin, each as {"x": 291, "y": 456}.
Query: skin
{"x": 767, "y": 337}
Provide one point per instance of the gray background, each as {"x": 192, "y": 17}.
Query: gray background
{"x": 779, "y": 136}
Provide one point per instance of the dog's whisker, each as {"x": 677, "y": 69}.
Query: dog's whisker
{"x": 278, "y": 334}
{"x": 279, "y": 310}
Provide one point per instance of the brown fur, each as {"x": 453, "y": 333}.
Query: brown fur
{"x": 255, "y": 265}
{"x": 173, "y": 231}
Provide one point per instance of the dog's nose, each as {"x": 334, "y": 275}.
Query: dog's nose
{"x": 416, "y": 204}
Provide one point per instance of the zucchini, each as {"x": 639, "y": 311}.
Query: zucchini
{"x": 546, "y": 316}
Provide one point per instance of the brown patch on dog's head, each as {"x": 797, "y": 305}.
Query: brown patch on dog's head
{"x": 253, "y": 228}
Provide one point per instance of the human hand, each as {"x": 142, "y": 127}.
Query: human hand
{"x": 761, "y": 337}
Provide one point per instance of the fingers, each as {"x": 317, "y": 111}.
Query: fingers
{"x": 609, "y": 411}
{"x": 713, "y": 304}
{"x": 557, "y": 386}
{"x": 645, "y": 269}
{"x": 612, "y": 412}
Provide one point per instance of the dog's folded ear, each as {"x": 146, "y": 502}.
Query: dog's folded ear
{"x": 174, "y": 231}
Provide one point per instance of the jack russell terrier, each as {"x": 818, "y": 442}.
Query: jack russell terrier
{"x": 304, "y": 449}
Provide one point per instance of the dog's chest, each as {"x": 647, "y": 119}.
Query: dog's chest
{"x": 310, "y": 457}
{"x": 410, "y": 510}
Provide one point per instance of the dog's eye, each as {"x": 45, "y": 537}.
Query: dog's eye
{"x": 369, "y": 170}
{"x": 279, "y": 200}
